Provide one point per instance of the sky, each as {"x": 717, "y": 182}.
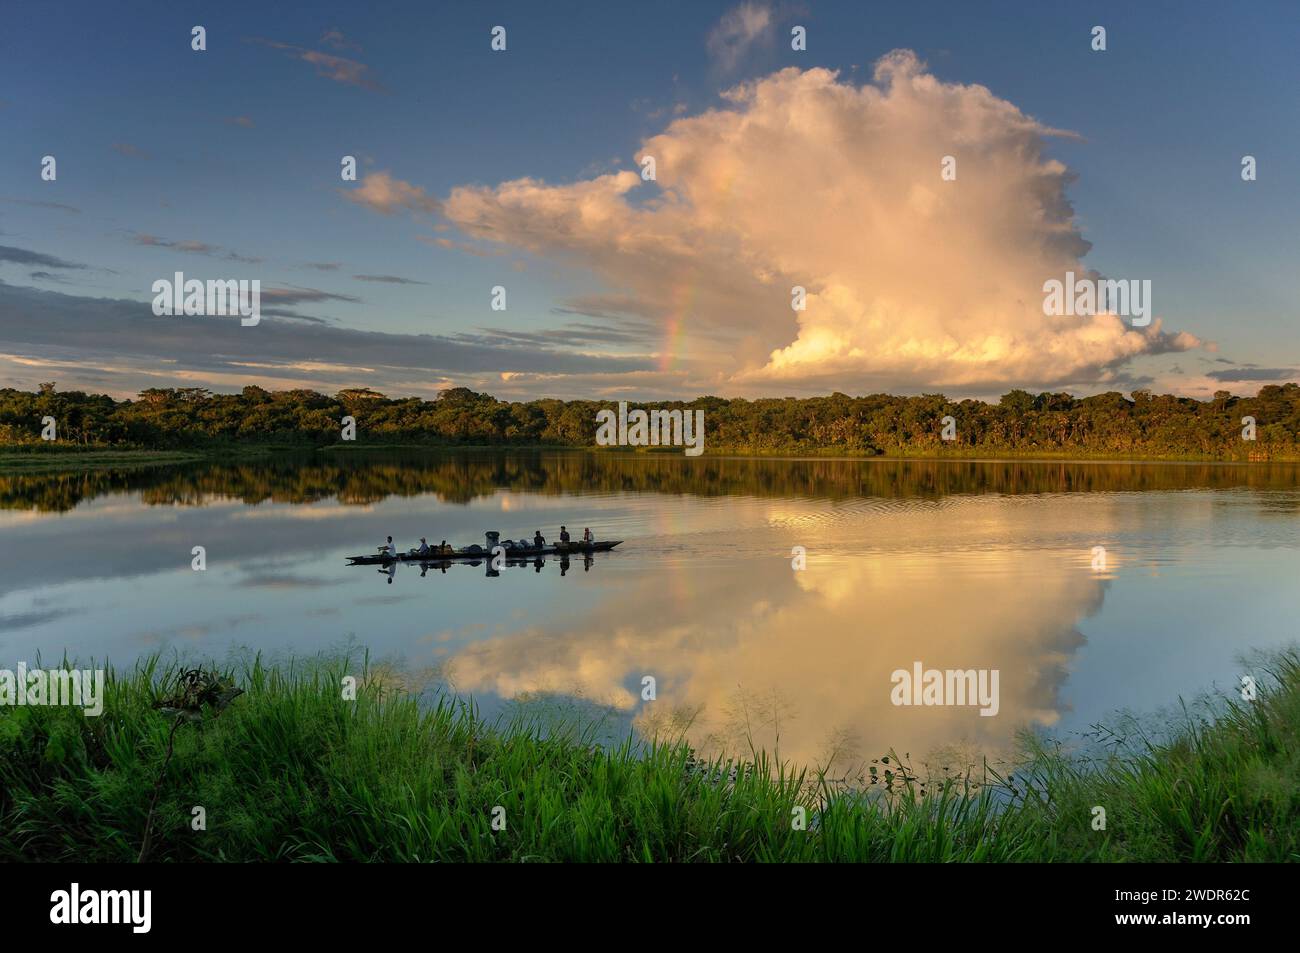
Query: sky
{"x": 522, "y": 169}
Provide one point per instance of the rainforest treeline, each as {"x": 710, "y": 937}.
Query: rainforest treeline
{"x": 1104, "y": 425}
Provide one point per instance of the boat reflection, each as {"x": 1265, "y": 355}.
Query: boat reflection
{"x": 492, "y": 568}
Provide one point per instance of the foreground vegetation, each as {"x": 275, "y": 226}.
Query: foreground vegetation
{"x": 1110, "y": 425}
{"x": 290, "y": 771}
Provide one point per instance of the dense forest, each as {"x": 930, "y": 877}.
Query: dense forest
{"x": 1105, "y": 425}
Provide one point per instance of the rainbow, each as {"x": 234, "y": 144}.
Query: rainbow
{"x": 686, "y": 292}
{"x": 683, "y": 298}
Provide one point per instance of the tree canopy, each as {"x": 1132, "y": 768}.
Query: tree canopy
{"x": 1110, "y": 424}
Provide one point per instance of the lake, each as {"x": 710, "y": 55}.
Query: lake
{"x": 957, "y": 565}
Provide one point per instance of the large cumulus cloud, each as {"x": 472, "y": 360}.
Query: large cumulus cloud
{"x": 804, "y": 178}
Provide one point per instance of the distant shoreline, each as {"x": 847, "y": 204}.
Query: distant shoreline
{"x": 1019, "y": 426}
{"x": 28, "y": 458}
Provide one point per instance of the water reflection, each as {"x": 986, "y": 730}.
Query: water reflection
{"x": 800, "y": 664}
{"x": 491, "y": 570}
{"x": 363, "y": 479}
{"x": 954, "y": 565}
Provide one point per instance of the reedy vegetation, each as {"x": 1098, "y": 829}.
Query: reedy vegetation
{"x": 290, "y": 771}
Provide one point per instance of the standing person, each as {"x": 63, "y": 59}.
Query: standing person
{"x": 564, "y": 535}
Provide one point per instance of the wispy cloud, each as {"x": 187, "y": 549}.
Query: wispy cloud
{"x": 338, "y": 68}
{"x": 59, "y": 206}
{"x": 292, "y": 315}
{"x": 576, "y": 334}
{"x": 335, "y": 38}
{"x": 475, "y": 250}
{"x": 194, "y": 248}
{"x": 389, "y": 280}
{"x": 122, "y": 342}
{"x": 126, "y": 149}
{"x": 1257, "y": 374}
{"x": 293, "y": 296}
{"x": 21, "y": 256}
{"x": 739, "y": 30}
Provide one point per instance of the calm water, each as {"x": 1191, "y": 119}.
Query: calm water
{"x": 955, "y": 565}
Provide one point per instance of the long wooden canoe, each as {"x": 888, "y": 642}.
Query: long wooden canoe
{"x": 478, "y": 552}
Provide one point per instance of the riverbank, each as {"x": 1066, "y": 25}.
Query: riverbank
{"x": 32, "y": 461}
{"x": 29, "y": 458}
{"x": 39, "y": 459}
{"x": 291, "y": 770}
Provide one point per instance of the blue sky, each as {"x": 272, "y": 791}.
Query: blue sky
{"x": 237, "y": 150}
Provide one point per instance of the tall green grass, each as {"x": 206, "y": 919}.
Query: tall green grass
{"x": 292, "y": 772}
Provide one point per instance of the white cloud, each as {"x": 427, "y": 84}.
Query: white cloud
{"x": 381, "y": 192}
{"x": 737, "y": 32}
{"x": 913, "y": 282}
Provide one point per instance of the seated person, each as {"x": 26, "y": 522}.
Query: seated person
{"x": 424, "y": 546}
{"x": 587, "y": 538}
{"x": 564, "y": 535}
{"x": 538, "y": 539}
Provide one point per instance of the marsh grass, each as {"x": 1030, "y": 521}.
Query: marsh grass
{"x": 292, "y": 772}
{"x": 37, "y": 459}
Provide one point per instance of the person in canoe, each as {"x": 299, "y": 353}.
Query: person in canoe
{"x": 388, "y": 549}
{"x": 444, "y": 549}
{"x": 424, "y": 547}
{"x": 564, "y": 535}
{"x": 538, "y": 540}
{"x": 587, "y": 538}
